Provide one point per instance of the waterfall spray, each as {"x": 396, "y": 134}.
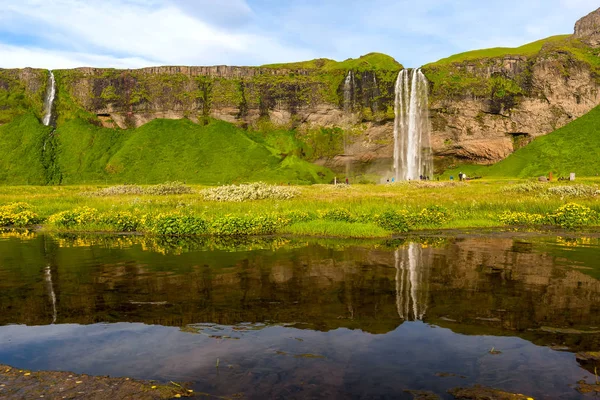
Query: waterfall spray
{"x": 412, "y": 149}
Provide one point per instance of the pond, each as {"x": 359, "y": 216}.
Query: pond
{"x": 304, "y": 318}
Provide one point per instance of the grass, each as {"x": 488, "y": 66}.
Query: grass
{"x": 477, "y": 204}
{"x": 160, "y": 151}
{"x": 572, "y": 148}
{"x": 368, "y": 62}
{"x": 336, "y": 229}
{"x": 525, "y": 50}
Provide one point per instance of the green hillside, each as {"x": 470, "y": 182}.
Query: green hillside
{"x": 368, "y": 62}
{"x": 525, "y": 50}
{"x": 573, "y": 148}
{"x": 162, "y": 150}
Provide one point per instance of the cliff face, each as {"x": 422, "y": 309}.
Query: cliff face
{"x": 484, "y": 104}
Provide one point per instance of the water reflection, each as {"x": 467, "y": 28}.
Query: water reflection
{"x": 50, "y": 286}
{"x": 412, "y": 282}
{"x": 312, "y": 318}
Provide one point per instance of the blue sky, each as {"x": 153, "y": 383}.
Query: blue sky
{"x": 137, "y": 33}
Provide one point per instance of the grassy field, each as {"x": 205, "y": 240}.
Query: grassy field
{"x": 342, "y": 211}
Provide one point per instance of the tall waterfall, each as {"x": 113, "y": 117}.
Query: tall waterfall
{"x": 412, "y": 282}
{"x": 49, "y": 101}
{"x": 348, "y": 89}
{"x": 412, "y": 149}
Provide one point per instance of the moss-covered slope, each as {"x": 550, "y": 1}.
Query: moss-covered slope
{"x": 162, "y": 150}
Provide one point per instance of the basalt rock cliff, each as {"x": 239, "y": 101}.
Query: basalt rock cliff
{"x": 483, "y": 104}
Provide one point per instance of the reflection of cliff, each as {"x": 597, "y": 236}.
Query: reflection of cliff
{"x": 475, "y": 286}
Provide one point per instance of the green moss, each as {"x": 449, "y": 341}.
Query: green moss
{"x": 22, "y": 91}
{"x": 368, "y": 62}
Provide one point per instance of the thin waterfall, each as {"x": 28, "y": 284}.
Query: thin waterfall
{"x": 413, "y": 157}
{"x": 348, "y": 88}
{"x": 49, "y": 100}
{"x": 412, "y": 282}
{"x": 349, "y": 85}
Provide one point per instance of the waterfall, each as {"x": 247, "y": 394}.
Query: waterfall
{"x": 49, "y": 101}
{"x": 412, "y": 149}
{"x": 348, "y": 88}
{"x": 412, "y": 282}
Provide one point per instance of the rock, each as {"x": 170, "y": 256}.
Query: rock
{"x": 588, "y": 356}
{"x": 484, "y": 393}
{"x": 543, "y": 179}
{"x": 588, "y": 29}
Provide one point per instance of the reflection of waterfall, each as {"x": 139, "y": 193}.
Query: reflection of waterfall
{"x": 50, "y": 286}
{"x": 49, "y": 101}
{"x": 412, "y": 282}
{"x": 412, "y": 149}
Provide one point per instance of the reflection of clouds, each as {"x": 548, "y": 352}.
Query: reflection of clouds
{"x": 50, "y": 286}
{"x": 412, "y": 282}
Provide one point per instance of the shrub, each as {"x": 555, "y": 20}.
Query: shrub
{"x": 574, "y": 191}
{"x": 573, "y": 215}
{"x": 294, "y": 216}
{"x": 122, "y": 221}
{"x": 252, "y": 191}
{"x": 177, "y": 225}
{"x": 522, "y": 218}
{"x": 336, "y": 214}
{"x": 168, "y": 188}
{"x": 117, "y": 191}
{"x": 77, "y": 217}
{"x": 230, "y": 225}
{"x": 527, "y": 187}
{"x": 432, "y": 215}
{"x": 17, "y": 214}
{"x": 395, "y": 221}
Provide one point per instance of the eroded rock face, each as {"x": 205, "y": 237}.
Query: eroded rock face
{"x": 588, "y": 28}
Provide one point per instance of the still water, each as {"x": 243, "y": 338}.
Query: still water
{"x": 294, "y": 318}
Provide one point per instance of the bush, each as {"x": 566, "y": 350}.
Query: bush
{"x": 244, "y": 225}
{"x": 336, "y": 214}
{"x": 117, "y": 191}
{"x": 77, "y": 217}
{"x": 574, "y": 191}
{"x": 395, "y": 221}
{"x": 294, "y": 216}
{"x": 527, "y": 187}
{"x": 574, "y": 215}
{"x": 168, "y": 188}
{"x": 522, "y": 218}
{"x": 17, "y": 214}
{"x": 432, "y": 215}
{"x": 177, "y": 225}
{"x": 252, "y": 191}
{"x": 162, "y": 189}
{"x": 121, "y": 221}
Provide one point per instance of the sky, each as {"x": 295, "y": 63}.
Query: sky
{"x": 57, "y": 34}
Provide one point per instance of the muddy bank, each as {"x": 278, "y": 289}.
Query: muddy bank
{"x": 22, "y": 384}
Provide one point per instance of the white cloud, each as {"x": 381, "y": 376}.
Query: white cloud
{"x": 133, "y": 33}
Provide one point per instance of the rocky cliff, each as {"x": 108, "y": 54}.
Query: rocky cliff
{"x": 484, "y": 104}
